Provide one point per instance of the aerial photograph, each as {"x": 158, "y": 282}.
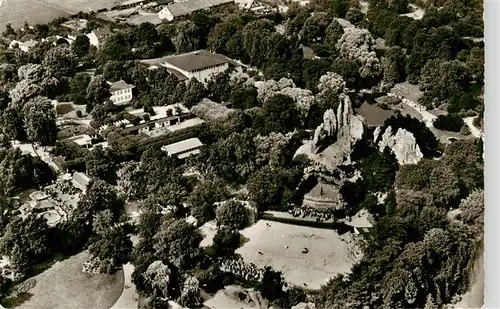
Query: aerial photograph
{"x": 242, "y": 154}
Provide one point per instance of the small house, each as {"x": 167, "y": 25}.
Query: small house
{"x": 183, "y": 149}
{"x": 98, "y": 36}
{"x": 80, "y": 181}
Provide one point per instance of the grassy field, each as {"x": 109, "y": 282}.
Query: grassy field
{"x": 64, "y": 285}
{"x": 16, "y": 12}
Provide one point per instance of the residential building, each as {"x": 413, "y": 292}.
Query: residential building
{"x": 80, "y": 181}
{"x": 183, "y": 149}
{"x": 25, "y": 46}
{"x": 178, "y": 9}
{"x": 121, "y": 92}
{"x": 83, "y": 140}
{"x": 98, "y": 36}
{"x": 200, "y": 64}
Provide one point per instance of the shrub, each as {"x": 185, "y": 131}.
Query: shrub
{"x": 465, "y": 130}
{"x": 232, "y": 214}
{"x": 449, "y": 122}
{"x": 79, "y": 113}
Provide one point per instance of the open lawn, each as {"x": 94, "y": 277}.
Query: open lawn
{"x": 281, "y": 246}
{"x": 64, "y": 286}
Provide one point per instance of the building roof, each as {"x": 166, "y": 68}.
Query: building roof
{"x": 196, "y": 60}
{"x": 119, "y": 85}
{"x": 81, "y": 179}
{"x": 181, "y": 77}
{"x": 81, "y": 140}
{"x": 101, "y": 33}
{"x": 188, "y": 144}
{"x": 190, "y": 6}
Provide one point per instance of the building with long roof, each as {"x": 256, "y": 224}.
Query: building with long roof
{"x": 178, "y": 9}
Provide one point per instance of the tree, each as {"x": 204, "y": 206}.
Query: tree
{"x": 272, "y": 284}
{"x": 255, "y": 36}
{"x": 97, "y": 91}
{"x": 231, "y": 214}
{"x": 60, "y": 62}
{"x": 40, "y": 121}
{"x": 333, "y": 33}
{"x": 177, "y": 242}
{"x": 204, "y": 196}
{"x": 272, "y": 149}
{"x": 186, "y": 38}
{"x": 146, "y": 37}
{"x": 23, "y": 92}
{"x": 26, "y": 238}
{"x": 466, "y": 160}
{"x": 12, "y": 124}
{"x": 336, "y": 8}
{"x": 272, "y": 188}
{"x": 160, "y": 277}
{"x": 225, "y": 37}
{"x": 103, "y": 221}
{"x": 314, "y": 28}
{"x": 115, "y": 47}
{"x": 114, "y": 245}
{"x": 358, "y": 45}
{"x": 78, "y": 85}
{"x": 444, "y": 79}
{"x": 280, "y": 114}
{"x": 244, "y": 97}
{"x": 99, "y": 196}
{"x": 194, "y": 94}
{"x": 132, "y": 181}
{"x": 378, "y": 171}
{"x": 190, "y": 294}
{"x": 225, "y": 242}
{"x": 449, "y": 122}
{"x": 99, "y": 164}
{"x": 393, "y": 65}
{"x": 80, "y": 46}
{"x": 354, "y": 15}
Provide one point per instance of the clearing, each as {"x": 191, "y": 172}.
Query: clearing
{"x": 281, "y": 246}
{"x": 64, "y": 285}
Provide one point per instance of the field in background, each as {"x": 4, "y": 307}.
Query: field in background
{"x": 16, "y": 12}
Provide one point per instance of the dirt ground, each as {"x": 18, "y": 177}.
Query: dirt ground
{"x": 281, "y": 246}
{"x": 64, "y": 286}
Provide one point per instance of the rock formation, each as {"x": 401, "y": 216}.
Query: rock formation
{"x": 344, "y": 128}
{"x": 402, "y": 144}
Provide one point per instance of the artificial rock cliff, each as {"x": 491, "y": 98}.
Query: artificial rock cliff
{"x": 403, "y": 145}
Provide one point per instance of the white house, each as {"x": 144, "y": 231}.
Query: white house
{"x": 98, "y": 36}
{"x": 183, "y": 149}
{"x": 200, "y": 64}
{"x": 177, "y": 9}
{"x": 24, "y": 46}
{"x": 121, "y": 92}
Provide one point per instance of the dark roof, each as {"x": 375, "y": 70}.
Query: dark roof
{"x": 101, "y": 33}
{"x": 135, "y": 128}
{"x": 119, "y": 85}
{"x": 196, "y": 60}
{"x": 163, "y": 2}
{"x": 190, "y": 6}
{"x": 179, "y": 75}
